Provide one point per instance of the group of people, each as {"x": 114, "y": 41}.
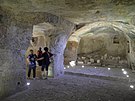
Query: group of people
{"x": 43, "y": 60}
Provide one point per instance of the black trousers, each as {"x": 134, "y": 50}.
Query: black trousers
{"x": 34, "y": 71}
{"x": 39, "y": 62}
{"x": 45, "y": 66}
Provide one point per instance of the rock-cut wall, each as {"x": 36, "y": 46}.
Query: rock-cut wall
{"x": 12, "y": 59}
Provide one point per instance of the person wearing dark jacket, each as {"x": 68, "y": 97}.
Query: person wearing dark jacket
{"x": 39, "y": 55}
{"x": 45, "y": 62}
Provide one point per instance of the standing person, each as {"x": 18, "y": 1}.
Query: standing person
{"x": 32, "y": 64}
{"x": 39, "y": 55}
{"x": 45, "y": 62}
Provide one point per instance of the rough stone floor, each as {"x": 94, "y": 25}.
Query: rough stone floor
{"x": 76, "y": 88}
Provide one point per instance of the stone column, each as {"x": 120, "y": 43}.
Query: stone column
{"x": 14, "y": 42}
{"x": 57, "y": 45}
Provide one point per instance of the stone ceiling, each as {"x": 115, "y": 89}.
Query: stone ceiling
{"x": 78, "y": 11}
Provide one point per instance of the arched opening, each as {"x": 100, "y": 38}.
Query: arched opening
{"x": 18, "y": 30}
{"x": 40, "y": 39}
{"x": 101, "y": 44}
